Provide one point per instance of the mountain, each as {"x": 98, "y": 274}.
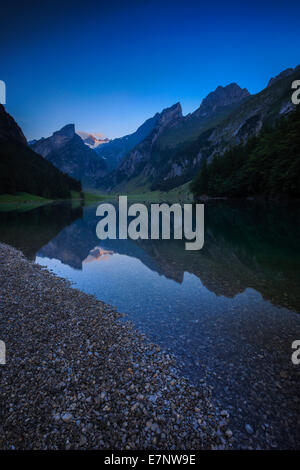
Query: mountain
{"x": 267, "y": 165}
{"x": 220, "y": 98}
{"x": 116, "y": 149}
{"x": 67, "y": 151}
{"x": 23, "y": 170}
{"x": 171, "y": 129}
{"x": 136, "y": 159}
{"x": 283, "y": 74}
{"x": 227, "y": 117}
{"x": 92, "y": 140}
{"x": 213, "y": 109}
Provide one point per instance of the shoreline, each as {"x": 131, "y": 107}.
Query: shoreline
{"x": 77, "y": 378}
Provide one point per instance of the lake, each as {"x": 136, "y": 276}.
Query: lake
{"x": 229, "y": 312}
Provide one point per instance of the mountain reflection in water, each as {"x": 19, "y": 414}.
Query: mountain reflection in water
{"x": 229, "y": 312}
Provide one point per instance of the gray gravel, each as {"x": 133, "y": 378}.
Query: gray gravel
{"x": 78, "y": 378}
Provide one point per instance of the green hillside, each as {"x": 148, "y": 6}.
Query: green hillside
{"x": 267, "y": 165}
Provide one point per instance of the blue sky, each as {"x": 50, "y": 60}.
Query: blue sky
{"x": 108, "y": 66}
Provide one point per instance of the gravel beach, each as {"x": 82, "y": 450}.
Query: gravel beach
{"x": 76, "y": 377}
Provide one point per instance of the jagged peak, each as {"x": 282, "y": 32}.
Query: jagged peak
{"x": 285, "y": 73}
{"x": 222, "y": 96}
{"x": 174, "y": 108}
{"x": 66, "y": 131}
{"x": 170, "y": 114}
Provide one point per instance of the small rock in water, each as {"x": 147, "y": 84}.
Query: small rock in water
{"x": 66, "y": 417}
{"x": 284, "y": 374}
{"x": 249, "y": 429}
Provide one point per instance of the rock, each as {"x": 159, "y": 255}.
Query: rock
{"x": 284, "y": 374}
{"x": 249, "y": 429}
{"x": 76, "y": 400}
{"x": 66, "y": 417}
{"x": 83, "y": 440}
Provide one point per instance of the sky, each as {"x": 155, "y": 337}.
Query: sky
{"x": 107, "y": 66}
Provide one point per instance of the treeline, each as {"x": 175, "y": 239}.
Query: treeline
{"x": 23, "y": 170}
{"x": 267, "y": 165}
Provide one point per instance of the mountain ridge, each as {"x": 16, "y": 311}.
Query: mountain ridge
{"x": 66, "y": 150}
{"x": 136, "y": 155}
{"x": 116, "y": 149}
{"x": 167, "y": 167}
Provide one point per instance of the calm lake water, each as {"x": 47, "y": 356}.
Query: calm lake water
{"x": 229, "y": 313}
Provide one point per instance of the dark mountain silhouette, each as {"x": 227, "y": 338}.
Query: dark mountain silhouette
{"x": 23, "y": 170}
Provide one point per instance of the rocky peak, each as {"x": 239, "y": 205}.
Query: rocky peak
{"x": 61, "y": 137}
{"x": 67, "y": 131}
{"x": 91, "y": 140}
{"x": 285, "y": 73}
{"x": 56, "y": 141}
{"x": 170, "y": 114}
{"x": 66, "y": 150}
{"x": 222, "y": 96}
{"x": 174, "y": 111}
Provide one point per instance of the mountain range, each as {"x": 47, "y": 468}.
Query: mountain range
{"x": 168, "y": 149}
{"x": 172, "y": 155}
{"x": 171, "y": 147}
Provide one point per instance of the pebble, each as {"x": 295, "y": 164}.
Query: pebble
{"x": 249, "y": 429}
{"x": 72, "y": 361}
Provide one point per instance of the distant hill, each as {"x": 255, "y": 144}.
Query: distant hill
{"x": 92, "y": 140}
{"x": 23, "y": 170}
{"x": 67, "y": 151}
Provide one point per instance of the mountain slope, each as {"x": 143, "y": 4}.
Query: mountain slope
{"x": 67, "y": 151}
{"x": 134, "y": 162}
{"x": 171, "y": 167}
{"x": 23, "y": 170}
{"x": 116, "y": 149}
{"x": 267, "y": 165}
{"x": 213, "y": 109}
{"x": 136, "y": 167}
